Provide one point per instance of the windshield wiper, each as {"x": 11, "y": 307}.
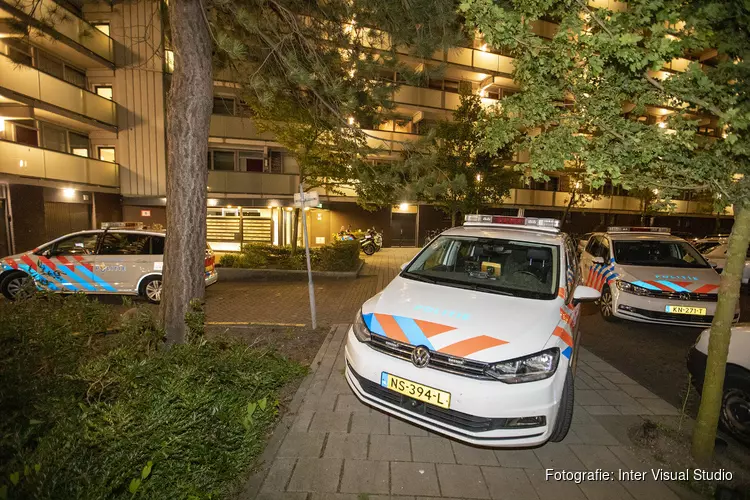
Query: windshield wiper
{"x": 491, "y": 289}
{"x": 418, "y": 277}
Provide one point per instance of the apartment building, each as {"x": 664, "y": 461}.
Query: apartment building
{"x": 82, "y": 137}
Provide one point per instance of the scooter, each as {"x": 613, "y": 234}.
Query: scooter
{"x": 368, "y": 244}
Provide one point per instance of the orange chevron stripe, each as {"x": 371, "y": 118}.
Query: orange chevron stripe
{"x": 470, "y": 346}
{"x": 683, "y": 284}
{"x": 561, "y": 292}
{"x": 565, "y": 317}
{"x": 431, "y": 329}
{"x": 706, "y": 289}
{"x": 391, "y": 328}
{"x": 564, "y": 336}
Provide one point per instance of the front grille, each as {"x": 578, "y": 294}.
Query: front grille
{"x": 438, "y": 360}
{"x": 685, "y": 318}
{"x": 699, "y": 297}
{"x": 449, "y": 417}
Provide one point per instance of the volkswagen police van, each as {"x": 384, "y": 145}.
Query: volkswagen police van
{"x": 121, "y": 259}
{"x": 645, "y": 274}
{"x": 476, "y": 338}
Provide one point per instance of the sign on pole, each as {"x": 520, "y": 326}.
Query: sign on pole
{"x": 307, "y": 200}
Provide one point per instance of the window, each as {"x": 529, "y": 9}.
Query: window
{"x": 80, "y": 244}
{"x": 54, "y": 138}
{"x": 104, "y": 91}
{"x": 223, "y": 106}
{"x": 489, "y": 265}
{"x": 26, "y": 135}
{"x": 276, "y": 162}
{"x": 251, "y": 161}
{"x": 103, "y": 27}
{"x": 125, "y": 244}
{"x": 19, "y": 51}
{"x": 593, "y": 246}
{"x": 658, "y": 253}
{"x": 571, "y": 260}
{"x": 224, "y": 160}
{"x": 50, "y": 65}
{"x": 79, "y": 144}
{"x": 157, "y": 245}
{"x": 107, "y": 154}
{"x": 77, "y": 78}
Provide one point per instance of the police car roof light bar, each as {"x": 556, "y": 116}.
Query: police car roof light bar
{"x": 123, "y": 225}
{"x": 505, "y": 220}
{"x": 627, "y": 229}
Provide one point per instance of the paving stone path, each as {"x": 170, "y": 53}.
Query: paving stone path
{"x": 331, "y": 446}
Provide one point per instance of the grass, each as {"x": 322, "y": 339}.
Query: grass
{"x": 92, "y": 416}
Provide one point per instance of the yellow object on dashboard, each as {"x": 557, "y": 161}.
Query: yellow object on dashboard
{"x": 491, "y": 268}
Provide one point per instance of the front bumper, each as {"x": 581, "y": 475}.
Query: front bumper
{"x": 212, "y": 278}
{"x": 653, "y": 310}
{"x": 481, "y": 411}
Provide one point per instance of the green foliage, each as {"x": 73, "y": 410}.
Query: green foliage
{"x": 335, "y": 256}
{"x": 85, "y": 415}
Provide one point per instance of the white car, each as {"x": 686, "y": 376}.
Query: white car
{"x": 647, "y": 275}
{"x": 735, "y": 404}
{"x": 477, "y": 337}
{"x": 717, "y": 257}
{"x": 705, "y": 245}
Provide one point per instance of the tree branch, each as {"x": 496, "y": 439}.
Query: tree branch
{"x": 693, "y": 100}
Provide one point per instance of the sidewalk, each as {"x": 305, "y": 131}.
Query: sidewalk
{"x": 331, "y": 446}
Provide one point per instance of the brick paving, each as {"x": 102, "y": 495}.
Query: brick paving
{"x": 286, "y": 302}
{"x": 331, "y": 446}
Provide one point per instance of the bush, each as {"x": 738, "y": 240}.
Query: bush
{"x": 85, "y": 415}
{"x": 336, "y": 256}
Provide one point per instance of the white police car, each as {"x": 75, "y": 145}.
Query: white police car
{"x": 646, "y": 274}
{"x": 477, "y": 337}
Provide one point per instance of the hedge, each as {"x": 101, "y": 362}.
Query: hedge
{"x": 335, "y": 256}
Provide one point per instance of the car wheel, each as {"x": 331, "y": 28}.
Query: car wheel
{"x": 735, "y": 405}
{"x": 14, "y": 285}
{"x": 369, "y": 249}
{"x": 606, "y": 305}
{"x": 564, "y": 411}
{"x": 151, "y": 289}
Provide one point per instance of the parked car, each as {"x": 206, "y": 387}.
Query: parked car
{"x": 717, "y": 257}
{"x": 735, "y": 403}
{"x": 477, "y": 337}
{"x": 645, "y": 274}
{"x": 582, "y": 240}
{"x": 705, "y": 245}
{"x": 115, "y": 260}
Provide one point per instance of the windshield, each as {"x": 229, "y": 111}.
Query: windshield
{"x": 506, "y": 267}
{"x": 658, "y": 253}
{"x": 706, "y": 246}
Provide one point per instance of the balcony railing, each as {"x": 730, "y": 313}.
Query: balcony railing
{"x": 28, "y": 161}
{"x": 66, "y": 23}
{"x": 31, "y": 82}
{"x": 258, "y": 183}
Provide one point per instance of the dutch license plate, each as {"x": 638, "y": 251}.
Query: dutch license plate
{"x": 698, "y": 311}
{"x": 415, "y": 390}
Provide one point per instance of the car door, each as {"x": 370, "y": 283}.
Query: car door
{"x": 67, "y": 264}
{"x": 587, "y": 257}
{"x": 122, "y": 259}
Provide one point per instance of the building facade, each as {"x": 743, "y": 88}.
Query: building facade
{"x": 83, "y": 138}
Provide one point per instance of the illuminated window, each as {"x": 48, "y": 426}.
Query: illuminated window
{"x": 103, "y": 27}
{"x": 104, "y": 90}
{"x": 81, "y": 152}
{"x": 169, "y": 60}
{"x": 107, "y": 154}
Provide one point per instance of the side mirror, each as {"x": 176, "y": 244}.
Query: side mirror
{"x": 403, "y": 266}
{"x": 584, "y": 293}
{"x": 598, "y": 260}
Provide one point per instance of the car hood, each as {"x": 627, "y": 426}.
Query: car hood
{"x": 671, "y": 279}
{"x": 463, "y": 323}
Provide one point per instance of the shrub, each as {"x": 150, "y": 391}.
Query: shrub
{"x": 228, "y": 260}
{"x": 92, "y": 416}
{"x": 336, "y": 256}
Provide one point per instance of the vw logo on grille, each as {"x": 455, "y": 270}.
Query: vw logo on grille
{"x": 420, "y": 357}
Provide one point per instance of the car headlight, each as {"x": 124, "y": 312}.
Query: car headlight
{"x": 527, "y": 369}
{"x": 627, "y": 287}
{"x": 360, "y": 328}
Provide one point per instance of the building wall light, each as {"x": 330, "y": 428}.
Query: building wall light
{"x": 403, "y": 206}
{"x": 69, "y": 193}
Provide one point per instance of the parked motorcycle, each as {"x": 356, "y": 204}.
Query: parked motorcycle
{"x": 377, "y": 238}
{"x": 367, "y": 243}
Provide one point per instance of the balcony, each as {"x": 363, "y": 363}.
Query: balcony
{"x": 236, "y": 127}
{"x": 39, "y": 88}
{"x": 62, "y": 24}
{"x": 27, "y": 161}
{"x": 257, "y": 183}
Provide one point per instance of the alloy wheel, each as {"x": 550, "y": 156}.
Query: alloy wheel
{"x": 605, "y": 303}
{"x": 153, "y": 291}
{"x": 735, "y": 412}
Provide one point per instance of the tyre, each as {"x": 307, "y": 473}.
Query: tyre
{"x": 151, "y": 289}
{"x": 735, "y": 404}
{"x": 606, "y": 305}
{"x": 369, "y": 249}
{"x": 14, "y": 285}
{"x": 564, "y": 411}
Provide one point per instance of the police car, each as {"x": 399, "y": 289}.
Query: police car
{"x": 735, "y": 403}
{"x": 122, "y": 259}
{"x": 646, "y": 274}
{"x": 477, "y": 337}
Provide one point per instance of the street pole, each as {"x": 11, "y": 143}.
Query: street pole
{"x": 311, "y": 288}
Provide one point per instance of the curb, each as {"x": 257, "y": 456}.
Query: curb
{"x": 240, "y": 274}
{"x": 252, "y": 486}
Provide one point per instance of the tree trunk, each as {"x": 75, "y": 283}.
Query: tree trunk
{"x": 704, "y": 433}
{"x": 571, "y": 202}
{"x": 188, "y": 117}
{"x": 453, "y": 218}
{"x": 295, "y": 231}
